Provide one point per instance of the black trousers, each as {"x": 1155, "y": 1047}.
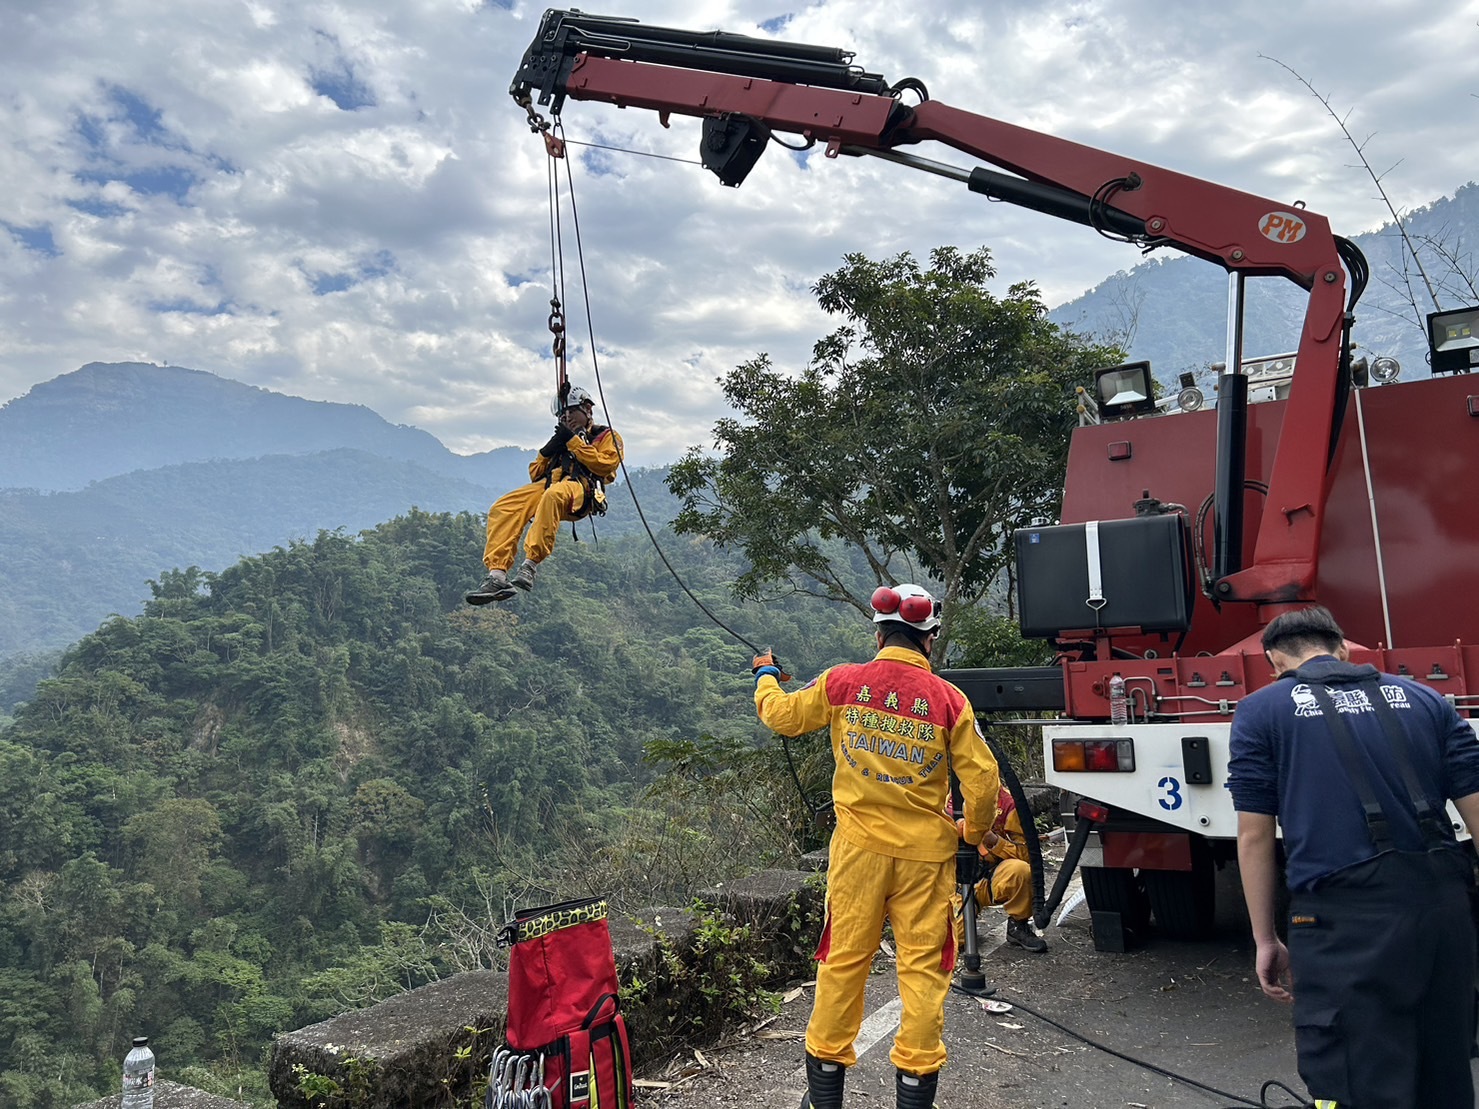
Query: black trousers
{"x": 1383, "y": 961}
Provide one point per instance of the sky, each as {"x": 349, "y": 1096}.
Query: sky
{"x": 340, "y": 201}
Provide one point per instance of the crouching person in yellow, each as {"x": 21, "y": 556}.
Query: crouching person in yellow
{"x": 1008, "y": 880}
{"x": 565, "y": 482}
{"x": 897, "y": 731}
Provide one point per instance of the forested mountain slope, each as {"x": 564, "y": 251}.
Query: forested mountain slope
{"x": 71, "y": 559}
{"x": 1176, "y": 306}
{"x": 290, "y": 787}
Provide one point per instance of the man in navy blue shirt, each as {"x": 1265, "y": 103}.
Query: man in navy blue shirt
{"x": 1356, "y": 766}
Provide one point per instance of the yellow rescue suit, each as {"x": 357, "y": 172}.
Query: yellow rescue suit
{"x": 897, "y": 730}
{"x": 558, "y": 490}
{"x": 1009, "y": 883}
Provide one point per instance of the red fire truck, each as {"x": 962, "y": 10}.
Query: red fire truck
{"x": 1182, "y": 533}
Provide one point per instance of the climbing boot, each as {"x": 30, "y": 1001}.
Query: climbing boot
{"x": 823, "y": 1084}
{"x": 524, "y": 579}
{"x": 495, "y": 587}
{"x": 1021, "y": 933}
{"x": 915, "y": 1091}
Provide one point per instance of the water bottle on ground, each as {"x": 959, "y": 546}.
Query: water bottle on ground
{"x": 1119, "y": 705}
{"x": 138, "y": 1076}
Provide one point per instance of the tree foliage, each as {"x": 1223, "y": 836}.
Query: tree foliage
{"x": 929, "y": 424}
{"x": 318, "y": 777}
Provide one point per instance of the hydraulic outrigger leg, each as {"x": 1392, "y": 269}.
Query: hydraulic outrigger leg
{"x": 967, "y": 870}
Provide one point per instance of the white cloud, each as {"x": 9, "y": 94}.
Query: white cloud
{"x": 210, "y": 201}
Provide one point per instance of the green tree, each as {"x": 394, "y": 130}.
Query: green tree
{"x": 927, "y": 427}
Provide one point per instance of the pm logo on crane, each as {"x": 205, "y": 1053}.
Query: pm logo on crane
{"x": 1282, "y": 227}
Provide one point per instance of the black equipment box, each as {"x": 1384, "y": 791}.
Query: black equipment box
{"x": 1143, "y": 576}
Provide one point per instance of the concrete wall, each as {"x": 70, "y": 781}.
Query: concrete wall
{"x": 417, "y": 1048}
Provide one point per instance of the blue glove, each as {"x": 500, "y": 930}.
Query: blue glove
{"x": 773, "y": 671}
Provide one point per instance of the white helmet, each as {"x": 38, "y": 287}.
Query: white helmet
{"x": 576, "y": 397}
{"x": 906, "y": 604}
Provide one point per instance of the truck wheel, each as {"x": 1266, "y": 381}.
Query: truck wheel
{"x": 1184, "y": 902}
{"x": 1116, "y": 889}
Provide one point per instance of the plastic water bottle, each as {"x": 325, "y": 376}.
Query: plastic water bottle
{"x": 138, "y": 1076}
{"x": 1119, "y": 704}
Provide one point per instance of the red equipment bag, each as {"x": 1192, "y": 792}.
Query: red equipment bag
{"x": 567, "y": 1044}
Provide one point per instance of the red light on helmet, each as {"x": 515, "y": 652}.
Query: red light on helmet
{"x": 916, "y": 608}
{"x": 886, "y": 601}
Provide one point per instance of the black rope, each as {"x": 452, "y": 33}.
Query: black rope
{"x": 816, "y": 809}
{"x": 639, "y": 153}
{"x": 601, "y": 392}
{"x": 557, "y": 277}
{"x": 1262, "y": 1103}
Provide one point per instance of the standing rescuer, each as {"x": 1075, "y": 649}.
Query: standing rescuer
{"x": 897, "y": 731}
{"x": 1356, "y": 766}
{"x": 565, "y": 482}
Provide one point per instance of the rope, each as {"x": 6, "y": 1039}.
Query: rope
{"x": 639, "y": 153}
{"x": 601, "y": 392}
{"x": 557, "y": 277}
{"x": 1261, "y": 1103}
{"x": 816, "y": 808}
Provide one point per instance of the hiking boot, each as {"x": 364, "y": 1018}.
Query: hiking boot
{"x": 915, "y": 1091}
{"x": 524, "y": 579}
{"x": 823, "y": 1084}
{"x": 1021, "y": 933}
{"x": 495, "y": 587}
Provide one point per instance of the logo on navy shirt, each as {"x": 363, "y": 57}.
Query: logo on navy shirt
{"x": 1345, "y": 700}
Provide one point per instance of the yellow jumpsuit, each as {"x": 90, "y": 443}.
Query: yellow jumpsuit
{"x": 1010, "y": 881}
{"x": 546, "y": 505}
{"x": 896, "y": 729}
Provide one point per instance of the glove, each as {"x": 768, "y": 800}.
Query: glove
{"x": 557, "y": 441}
{"x": 767, "y": 663}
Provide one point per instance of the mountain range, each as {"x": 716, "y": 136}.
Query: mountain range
{"x": 1174, "y": 307}
{"x": 117, "y": 472}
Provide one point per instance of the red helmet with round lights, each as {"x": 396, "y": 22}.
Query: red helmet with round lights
{"x": 906, "y": 604}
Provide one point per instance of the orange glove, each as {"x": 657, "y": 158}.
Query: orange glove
{"x": 767, "y": 658}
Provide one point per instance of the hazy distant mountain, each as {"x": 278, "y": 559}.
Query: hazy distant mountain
{"x": 1179, "y": 304}
{"x": 108, "y": 419}
{"x": 111, "y": 475}
{"x": 73, "y": 558}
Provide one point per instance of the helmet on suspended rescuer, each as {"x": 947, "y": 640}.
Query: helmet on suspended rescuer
{"x": 575, "y": 397}
{"x": 906, "y": 604}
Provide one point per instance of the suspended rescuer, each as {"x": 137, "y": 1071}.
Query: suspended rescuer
{"x": 1356, "y": 766}
{"x": 897, "y": 731}
{"x": 566, "y": 481}
{"x": 1008, "y": 878}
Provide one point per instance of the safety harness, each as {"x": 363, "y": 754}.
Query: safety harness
{"x": 571, "y": 469}
{"x": 566, "y": 1040}
{"x": 1431, "y": 822}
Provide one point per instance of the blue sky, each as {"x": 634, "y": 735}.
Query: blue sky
{"x": 340, "y": 201}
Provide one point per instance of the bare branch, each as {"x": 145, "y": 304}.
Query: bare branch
{"x": 1359, "y": 148}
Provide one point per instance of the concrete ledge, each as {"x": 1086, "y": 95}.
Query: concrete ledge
{"x": 403, "y": 1053}
{"x": 171, "y": 1095}
{"x": 400, "y": 1053}
{"x": 783, "y": 909}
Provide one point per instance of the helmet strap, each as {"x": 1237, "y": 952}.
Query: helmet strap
{"x": 895, "y": 634}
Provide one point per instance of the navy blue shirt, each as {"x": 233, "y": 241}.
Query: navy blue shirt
{"x": 1283, "y": 762}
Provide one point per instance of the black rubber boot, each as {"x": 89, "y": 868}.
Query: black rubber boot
{"x": 823, "y": 1084}
{"x": 915, "y": 1091}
